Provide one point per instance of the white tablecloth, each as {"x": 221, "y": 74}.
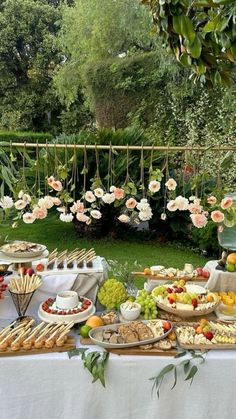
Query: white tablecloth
{"x": 56, "y": 387}
{"x": 220, "y": 280}
{"x": 85, "y": 283}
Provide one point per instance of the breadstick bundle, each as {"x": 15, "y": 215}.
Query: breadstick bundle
{"x": 25, "y": 284}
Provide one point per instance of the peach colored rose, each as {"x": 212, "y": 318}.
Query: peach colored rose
{"x": 198, "y": 220}
{"x": 40, "y": 213}
{"x": 226, "y": 203}
{"x": 82, "y": 217}
{"x": 119, "y": 193}
{"x": 56, "y": 201}
{"x": 56, "y": 185}
{"x": 211, "y": 200}
{"x": 124, "y": 218}
{"x": 217, "y": 216}
{"x": 77, "y": 207}
{"x": 131, "y": 203}
{"x": 51, "y": 179}
{"x": 195, "y": 208}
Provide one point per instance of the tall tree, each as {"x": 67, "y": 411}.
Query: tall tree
{"x": 94, "y": 30}
{"x": 28, "y": 58}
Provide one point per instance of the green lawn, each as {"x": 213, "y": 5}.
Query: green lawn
{"x": 54, "y": 233}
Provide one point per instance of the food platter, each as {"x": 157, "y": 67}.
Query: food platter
{"x": 187, "y": 313}
{"x": 17, "y": 259}
{"x": 13, "y": 249}
{"x": 49, "y": 318}
{"x": 95, "y": 336}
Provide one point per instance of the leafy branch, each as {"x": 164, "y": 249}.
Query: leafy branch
{"x": 95, "y": 362}
{"x": 188, "y": 366}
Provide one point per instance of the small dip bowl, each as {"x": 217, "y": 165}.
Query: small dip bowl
{"x": 130, "y": 311}
{"x": 67, "y": 300}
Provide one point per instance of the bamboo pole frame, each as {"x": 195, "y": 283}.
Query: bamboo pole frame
{"x": 120, "y": 147}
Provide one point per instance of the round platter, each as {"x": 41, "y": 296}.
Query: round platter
{"x": 16, "y": 259}
{"x": 67, "y": 318}
{"x": 94, "y": 336}
{"x": 38, "y": 251}
{"x": 187, "y": 313}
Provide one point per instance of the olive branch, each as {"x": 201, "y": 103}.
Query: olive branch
{"x": 188, "y": 366}
{"x": 95, "y": 362}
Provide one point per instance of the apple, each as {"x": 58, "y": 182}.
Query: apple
{"x": 199, "y": 271}
{"x": 230, "y": 267}
{"x": 40, "y": 267}
{"x": 30, "y": 271}
{"x": 205, "y": 273}
{"x": 22, "y": 270}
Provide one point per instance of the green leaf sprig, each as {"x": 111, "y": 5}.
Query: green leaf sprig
{"x": 187, "y": 365}
{"x": 95, "y": 362}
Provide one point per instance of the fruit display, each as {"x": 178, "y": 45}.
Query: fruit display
{"x": 130, "y": 334}
{"x": 206, "y": 333}
{"x": 26, "y": 336}
{"x": 187, "y": 272}
{"x": 112, "y": 293}
{"x": 184, "y": 297}
{"x": 148, "y": 305}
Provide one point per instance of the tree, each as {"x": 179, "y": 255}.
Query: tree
{"x": 28, "y": 58}
{"x": 95, "y": 30}
{"x": 201, "y": 34}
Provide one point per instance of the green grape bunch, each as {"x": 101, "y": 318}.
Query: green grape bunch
{"x": 112, "y": 293}
{"x": 148, "y": 305}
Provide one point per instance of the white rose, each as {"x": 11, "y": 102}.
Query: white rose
{"x": 108, "y": 198}
{"x": 182, "y": 203}
{"x": 163, "y": 216}
{"x": 154, "y": 186}
{"x": 171, "y": 184}
{"x": 145, "y": 215}
{"x": 46, "y": 202}
{"x": 66, "y": 218}
{"x": 6, "y": 202}
{"x": 112, "y": 188}
{"x": 124, "y": 218}
{"x": 172, "y": 206}
{"x": 90, "y": 197}
{"x": 96, "y": 214}
{"x": 98, "y": 192}
{"x": 20, "y": 204}
{"x": 29, "y": 218}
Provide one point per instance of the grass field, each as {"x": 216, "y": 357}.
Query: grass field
{"x": 53, "y": 233}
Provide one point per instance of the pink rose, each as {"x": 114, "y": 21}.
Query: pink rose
{"x": 131, "y": 203}
{"x": 119, "y": 193}
{"x": 226, "y": 203}
{"x": 217, "y": 216}
{"x": 56, "y": 185}
{"x": 82, "y": 217}
{"x": 40, "y": 213}
{"x": 195, "y": 208}
{"x": 211, "y": 200}
{"x": 199, "y": 220}
{"x": 51, "y": 180}
{"x": 77, "y": 207}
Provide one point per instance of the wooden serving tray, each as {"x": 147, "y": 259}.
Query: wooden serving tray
{"x": 135, "y": 350}
{"x": 68, "y": 346}
{"x": 172, "y": 278}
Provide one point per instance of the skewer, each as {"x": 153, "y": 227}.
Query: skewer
{"x": 6, "y": 329}
{"x": 52, "y": 255}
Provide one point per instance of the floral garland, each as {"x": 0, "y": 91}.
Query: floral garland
{"x": 133, "y": 210}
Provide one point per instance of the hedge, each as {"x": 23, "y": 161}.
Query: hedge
{"x": 29, "y": 137}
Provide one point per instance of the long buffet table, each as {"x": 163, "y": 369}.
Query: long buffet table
{"x": 54, "y": 386}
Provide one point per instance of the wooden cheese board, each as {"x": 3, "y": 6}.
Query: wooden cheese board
{"x": 135, "y": 350}
{"x": 171, "y": 278}
{"x": 68, "y": 346}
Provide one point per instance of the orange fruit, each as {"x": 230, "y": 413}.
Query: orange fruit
{"x": 94, "y": 321}
{"x": 147, "y": 271}
{"x": 210, "y": 298}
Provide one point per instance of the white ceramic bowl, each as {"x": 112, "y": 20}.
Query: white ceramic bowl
{"x": 67, "y": 300}
{"x": 130, "y": 314}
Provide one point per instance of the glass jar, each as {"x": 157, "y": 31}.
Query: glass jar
{"x": 227, "y": 235}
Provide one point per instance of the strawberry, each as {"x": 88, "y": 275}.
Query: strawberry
{"x": 194, "y": 302}
{"x": 208, "y": 335}
{"x": 171, "y": 300}
{"x": 166, "y": 325}
{"x": 169, "y": 290}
